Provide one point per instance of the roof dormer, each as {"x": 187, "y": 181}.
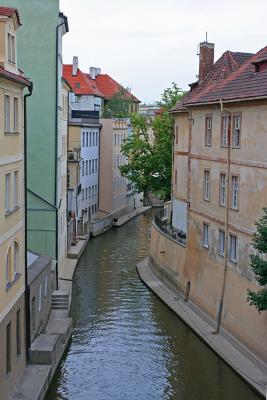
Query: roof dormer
{"x": 9, "y": 23}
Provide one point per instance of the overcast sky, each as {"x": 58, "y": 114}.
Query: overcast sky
{"x": 147, "y": 44}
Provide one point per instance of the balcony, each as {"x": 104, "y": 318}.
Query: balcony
{"x": 84, "y": 117}
{"x": 164, "y": 224}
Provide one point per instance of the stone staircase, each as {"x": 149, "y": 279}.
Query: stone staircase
{"x": 60, "y": 300}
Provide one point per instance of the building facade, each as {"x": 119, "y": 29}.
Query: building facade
{"x": 42, "y": 32}
{"x": 219, "y": 191}
{"x": 12, "y": 211}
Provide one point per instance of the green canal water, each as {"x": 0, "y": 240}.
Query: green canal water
{"x": 126, "y": 344}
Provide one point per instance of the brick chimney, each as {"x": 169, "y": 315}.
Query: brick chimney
{"x": 75, "y": 63}
{"x": 206, "y": 59}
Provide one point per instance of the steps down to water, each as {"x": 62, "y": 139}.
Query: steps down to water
{"x": 60, "y": 300}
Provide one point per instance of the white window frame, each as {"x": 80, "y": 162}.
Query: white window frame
{"x": 235, "y": 192}
{"x": 16, "y": 189}
{"x": 221, "y": 242}
{"x": 206, "y": 185}
{"x": 16, "y": 114}
{"x": 208, "y": 130}
{"x": 8, "y": 191}
{"x": 7, "y": 113}
{"x": 236, "y": 131}
{"x": 205, "y": 235}
{"x": 225, "y": 129}
{"x": 222, "y": 191}
{"x": 40, "y": 298}
{"x": 233, "y": 248}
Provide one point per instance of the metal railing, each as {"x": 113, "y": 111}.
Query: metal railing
{"x": 164, "y": 224}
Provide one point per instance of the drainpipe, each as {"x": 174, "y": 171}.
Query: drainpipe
{"x": 27, "y": 287}
{"x": 226, "y": 225}
{"x": 56, "y": 150}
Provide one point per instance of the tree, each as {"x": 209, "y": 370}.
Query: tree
{"x": 118, "y": 106}
{"x": 258, "y": 264}
{"x": 171, "y": 96}
{"x": 150, "y": 163}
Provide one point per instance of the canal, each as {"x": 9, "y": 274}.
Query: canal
{"x": 126, "y": 344}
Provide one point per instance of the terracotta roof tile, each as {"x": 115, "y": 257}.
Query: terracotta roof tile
{"x": 109, "y": 87}
{"x": 233, "y": 77}
{"x": 14, "y": 77}
{"x": 80, "y": 84}
{"x": 9, "y": 12}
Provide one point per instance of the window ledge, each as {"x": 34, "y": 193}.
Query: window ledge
{"x": 11, "y": 133}
{"x": 233, "y": 261}
{"x": 10, "y": 284}
{"x": 222, "y": 205}
{"x": 234, "y": 209}
{"x": 10, "y": 212}
{"x": 206, "y": 246}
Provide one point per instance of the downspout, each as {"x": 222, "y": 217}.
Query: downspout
{"x": 226, "y": 225}
{"x": 98, "y": 171}
{"x": 56, "y": 150}
{"x": 27, "y": 287}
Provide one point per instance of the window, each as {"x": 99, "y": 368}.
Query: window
{"x": 205, "y": 238}
{"x": 8, "y": 266}
{"x": 11, "y": 48}
{"x": 93, "y": 166}
{"x": 115, "y": 139}
{"x": 16, "y": 182}
{"x": 95, "y": 208}
{"x": 235, "y": 190}
{"x": 82, "y": 168}
{"x": 221, "y": 242}
{"x": 86, "y": 139}
{"x": 207, "y": 185}
{"x": 92, "y": 208}
{"x": 208, "y": 131}
{"x": 16, "y": 114}
{"x": 96, "y": 166}
{"x": 236, "y": 131}
{"x": 8, "y": 348}
{"x": 83, "y": 139}
{"x": 233, "y": 248}
{"x": 85, "y": 193}
{"x": 175, "y": 177}
{"x": 95, "y": 190}
{"x": 90, "y": 189}
{"x": 96, "y": 138}
{"x": 93, "y": 138}
{"x": 225, "y": 131}
{"x": 18, "y": 333}
{"x": 8, "y": 200}
{"x": 7, "y": 113}
{"x": 40, "y": 297}
{"x": 90, "y": 167}
{"x": 82, "y": 194}
{"x": 176, "y": 134}
{"x": 222, "y": 199}
{"x": 86, "y": 167}
{"x": 16, "y": 258}
{"x": 90, "y": 138}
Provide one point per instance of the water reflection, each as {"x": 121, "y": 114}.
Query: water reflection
{"x": 126, "y": 343}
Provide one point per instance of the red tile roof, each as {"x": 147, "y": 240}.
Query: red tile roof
{"x": 9, "y": 12}
{"x": 14, "y": 77}
{"x": 233, "y": 77}
{"x": 109, "y": 87}
{"x": 80, "y": 84}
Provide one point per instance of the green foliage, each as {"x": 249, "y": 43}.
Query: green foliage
{"x": 118, "y": 106}
{"x": 150, "y": 161}
{"x": 171, "y": 96}
{"x": 258, "y": 264}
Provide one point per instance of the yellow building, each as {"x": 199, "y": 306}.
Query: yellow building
{"x": 219, "y": 190}
{"x": 12, "y": 213}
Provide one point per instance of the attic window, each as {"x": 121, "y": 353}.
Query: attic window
{"x": 260, "y": 66}
{"x": 11, "y": 49}
{"x": 78, "y": 85}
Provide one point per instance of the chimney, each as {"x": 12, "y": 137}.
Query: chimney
{"x": 75, "y": 66}
{"x": 94, "y": 72}
{"x": 206, "y": 59}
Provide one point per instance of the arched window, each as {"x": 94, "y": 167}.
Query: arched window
{"x": 16, "y": 258}
{"x": 8, "y": 266}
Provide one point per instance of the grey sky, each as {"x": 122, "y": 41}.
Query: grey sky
{"x": 147, "y": 44}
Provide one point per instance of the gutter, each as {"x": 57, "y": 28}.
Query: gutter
{"x": 56, "y": 146}
{"x": 27, "y": 287}
{"x": 216, "y": 102}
